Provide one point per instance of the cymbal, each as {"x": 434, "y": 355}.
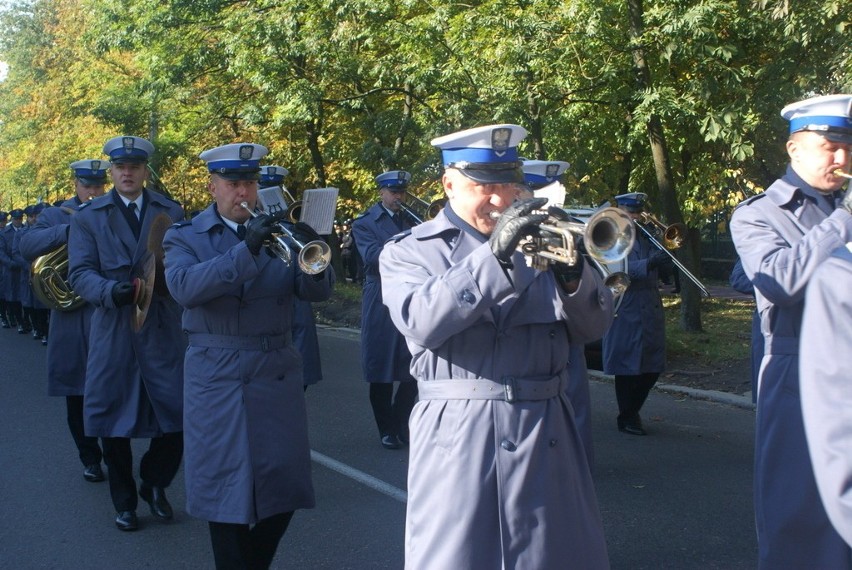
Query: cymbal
{"x": 144, "y": 291}
{"x": 159, "y": 225}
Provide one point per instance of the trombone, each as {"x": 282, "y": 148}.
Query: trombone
{"x": 418, "y": 209}
{"x": 673, "y": 237}
{"x": 313, "y": 257}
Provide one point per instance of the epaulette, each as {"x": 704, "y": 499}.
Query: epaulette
{"x": 400, "y": 236}
{"x": 182, "y": 224}
{"x": 748, "y": 201}
{"x": 83, "y": 205}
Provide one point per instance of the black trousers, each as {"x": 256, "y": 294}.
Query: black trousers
{"x": 390, "y": 410}
{"x": 632, "y": 391}
{"x": 240, "y": 547}
{"x": 157, "y": 468}
{"x": 15, "y": 313}
{"x": 88, "y": 448}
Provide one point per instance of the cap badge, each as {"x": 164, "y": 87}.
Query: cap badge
{"x": 128, "y": 143}
{"x": 500, "y": 140}
{"x": 246, "y": 151}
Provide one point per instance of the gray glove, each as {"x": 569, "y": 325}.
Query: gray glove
{"x": 515, "y": 223}
{"x": 846, "y": 204}
{"x": 658, "y": 259}
{"x": 259, "y": 230}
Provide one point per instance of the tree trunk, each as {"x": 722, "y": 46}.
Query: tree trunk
{"x": 690, "y": 311}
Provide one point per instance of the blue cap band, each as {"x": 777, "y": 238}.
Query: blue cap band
{"x": 480, "y": 155}
{"x": 800, "y": 123}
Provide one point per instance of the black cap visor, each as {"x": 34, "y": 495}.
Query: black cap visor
{"x": 491, "y": 172}
{"x": 239, "y": 174}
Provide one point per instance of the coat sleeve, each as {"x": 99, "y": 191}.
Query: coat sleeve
{"x": 84, "y": 263}
{"x": 49, "y": 233}
{"x": 367, "y": 240}
{"x": 315, "y": 287}
{"x": 739, "y": 281}
{"x": 776, "y": 268}
{"x": 193, "y": 282}
{"x": 826, "y": 389}
{"x": 588, "y": 311}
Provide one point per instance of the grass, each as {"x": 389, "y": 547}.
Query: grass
{"x": 726, "y": 336}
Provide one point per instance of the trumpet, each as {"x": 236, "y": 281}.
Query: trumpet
{"x": 608, "y": 236}
{"x": 839, "y": 172}
{"x": 313, "y": 257}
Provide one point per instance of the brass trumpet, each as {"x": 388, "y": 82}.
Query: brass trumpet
{"x": 50, "y": 281}
{"x": 313, "y": 257}
{"x": 671, "y": 241}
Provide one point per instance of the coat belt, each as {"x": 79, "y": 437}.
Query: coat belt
{"x": 264, "y": 343}
{"x": 508, "y": 388}
{"x": 788, "y": 345}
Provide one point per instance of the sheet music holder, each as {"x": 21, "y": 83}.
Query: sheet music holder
{"x": 319, "y": 206}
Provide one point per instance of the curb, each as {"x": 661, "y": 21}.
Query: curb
{"x": 710, "y": 395}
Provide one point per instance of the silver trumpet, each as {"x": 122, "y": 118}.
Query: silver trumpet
{"x": 839, "y": 172}
{"x": 608, "y": 236}
{"x": 313, "y": 257}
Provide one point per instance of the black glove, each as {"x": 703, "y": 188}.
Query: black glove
{"x": 123, "y": 293}
{"x": 515, "y": 223}
{"x": 259, "y": 230}
{"x": 305, "y": 233}
{"x": 659, "y": 259}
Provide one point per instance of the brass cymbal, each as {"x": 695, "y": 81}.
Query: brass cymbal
{"x": 144, "y": 291}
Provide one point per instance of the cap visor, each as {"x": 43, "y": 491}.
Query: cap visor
{"x": 91, "y": 181}
{"x": 838, "y": 137}
{"x": 508, "y": 176}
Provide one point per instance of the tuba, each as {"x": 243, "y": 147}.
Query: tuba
{"x": 50, "y": 281}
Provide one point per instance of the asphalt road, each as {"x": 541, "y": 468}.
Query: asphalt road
{"x": 677, "y": 499}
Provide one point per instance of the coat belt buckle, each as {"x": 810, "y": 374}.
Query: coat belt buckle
{"x": 509, "y": 388}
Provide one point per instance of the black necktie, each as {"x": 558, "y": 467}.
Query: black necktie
{"x": 241, "y": 231}
{"x": 134, "y": 219}
{"x": 397, "y": 219}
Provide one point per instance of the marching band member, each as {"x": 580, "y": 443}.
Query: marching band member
{"x": 68, "y": 343}
{"x": 247, "y": 465}
{"x": 497, "y": 476}
{"x": 134, "y": 380}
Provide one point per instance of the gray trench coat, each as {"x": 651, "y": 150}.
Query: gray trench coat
{"x": 825, "y": 360}
{"x": 134, "y": 381}
{"x": 493, "y": 483}
{"x": 246, "y": 454}
{"x": 782, "y": 236}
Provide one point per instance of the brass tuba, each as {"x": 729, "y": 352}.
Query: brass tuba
{"x": 50, "y": 281}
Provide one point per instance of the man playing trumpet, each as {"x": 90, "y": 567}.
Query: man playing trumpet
{"x": 248, "y": 465}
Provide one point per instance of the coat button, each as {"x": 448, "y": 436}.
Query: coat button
{"x": 508, "y": 445}
{"x": 552, "y": 443}
{"x": 467, "y": 297}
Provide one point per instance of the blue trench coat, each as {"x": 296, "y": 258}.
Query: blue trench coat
{"x": 782, "y": 237}
{"x": 246, "y": 454}
{"x": 384, "y": 356}
{"x": 68, "y": 343}
{"x": 134, "y": 381}
{"x": 492, "y": 483}
{"x": 825, "y": 361}
{"x": 636, "y": 342}
{"x": 12, "y": 273}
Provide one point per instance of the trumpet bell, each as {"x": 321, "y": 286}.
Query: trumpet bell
{"x": 674, "y": 236}
{"x": 609, "y": 235}
{"x": 314, "y": 257}
{"x": 618, "y": 283}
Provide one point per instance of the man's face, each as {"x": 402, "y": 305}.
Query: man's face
{"x": 129, "y": 178}
{"x": 17, "y": 222}
{"x": 87, "y": 190}
{"x": 229, "y": 195}
{"x": 390, "y": 200}
{"x": 474, "y": 201}
{"x": 815, "y": 158}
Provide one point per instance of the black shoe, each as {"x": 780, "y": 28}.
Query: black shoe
{"x": 22, "y": 330}
{"x": 156, "y": 499}
{"x": 44, "y": 340}
{"x": 404, "y": 438}
{"x": 93, "y": 473}
{"x": 391, "y": 442}
{"x": 4, "y": 323}
{"x": 126, "y": 520}
{"x": 632, "y": 426}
